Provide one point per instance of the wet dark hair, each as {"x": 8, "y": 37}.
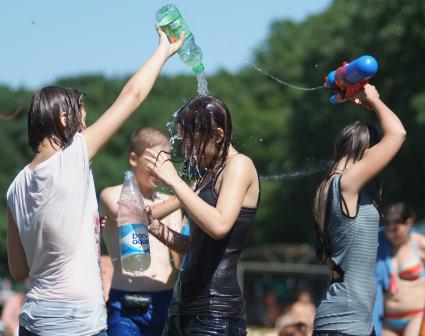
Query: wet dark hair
{"x": 45, "y": 112}
{"x": 200, "y": 117}
{"x": 351, "y": 142}
{"x": 397, "y": 213}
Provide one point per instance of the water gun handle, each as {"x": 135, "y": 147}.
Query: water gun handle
{"x": 351, "y": 93}
{"x": 350, "y": 78}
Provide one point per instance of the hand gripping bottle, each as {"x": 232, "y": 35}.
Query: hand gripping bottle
{"x": 350, "y": 78}
{"x": 172, "y": 23}
{"x": 133, "y": 229}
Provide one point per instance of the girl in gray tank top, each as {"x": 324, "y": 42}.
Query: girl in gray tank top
{"x": 348, "y": 219}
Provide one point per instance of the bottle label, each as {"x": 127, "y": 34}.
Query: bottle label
{"x": 175, "y": 24}
{"x": 174, "y": 29}
{"x": 134, "y": 239}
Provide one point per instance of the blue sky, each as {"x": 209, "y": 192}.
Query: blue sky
{"x": 42, "y": 40}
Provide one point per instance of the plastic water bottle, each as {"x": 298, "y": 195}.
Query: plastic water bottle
{"x": 133, "y": 229}
{"x": 172, "y": 23}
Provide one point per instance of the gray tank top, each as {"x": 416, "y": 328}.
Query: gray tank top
{"x": 347, "y": 304}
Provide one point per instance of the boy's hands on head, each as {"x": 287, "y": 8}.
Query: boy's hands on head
{"x": 169, "y": 48}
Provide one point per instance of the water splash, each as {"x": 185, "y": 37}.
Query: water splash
{"x": 264, "y": 72}
{"x": 172, "y": 130}
{"x": 189, "y": 165}
{"x": 312, "y": 167}
{"x": 229, "y": 47}
{"x": 202, "y": 83}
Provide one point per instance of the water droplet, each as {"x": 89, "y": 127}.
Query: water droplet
{"x": 280, "y": 81}
{"x": 311, "y": 167}
{"x": 130, "y": 280}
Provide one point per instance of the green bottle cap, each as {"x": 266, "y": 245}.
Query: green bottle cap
{"x": 198, "y": 69}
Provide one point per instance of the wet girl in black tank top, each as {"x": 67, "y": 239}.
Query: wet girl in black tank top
{"x": 220, "y": 210}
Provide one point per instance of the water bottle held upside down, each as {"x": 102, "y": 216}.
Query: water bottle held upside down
{"x": 172, "y": 23}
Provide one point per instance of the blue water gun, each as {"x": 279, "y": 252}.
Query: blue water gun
{"x": 350, "y": 78}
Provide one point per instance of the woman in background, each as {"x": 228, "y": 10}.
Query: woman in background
{"x": 401, "y": 273}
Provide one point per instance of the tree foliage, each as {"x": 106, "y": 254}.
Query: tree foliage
{"x": 287, "y": 132}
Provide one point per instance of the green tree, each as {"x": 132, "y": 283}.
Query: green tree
{"x": 287, "y": 132}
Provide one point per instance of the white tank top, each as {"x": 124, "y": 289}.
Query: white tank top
{"x": 55, "y": 209}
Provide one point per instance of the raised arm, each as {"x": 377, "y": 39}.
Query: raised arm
{"x": 15, "y": 251}
{"x": 376, "y": 158}
{"x": 131, "y": 96}
{"x": 217, "y": 221}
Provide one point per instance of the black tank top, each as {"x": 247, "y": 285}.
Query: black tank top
{"x": 207, "y": 284}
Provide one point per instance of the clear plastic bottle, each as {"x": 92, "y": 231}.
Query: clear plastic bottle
{"x": 133, "y": 229}
{"x": 172, "y": 23}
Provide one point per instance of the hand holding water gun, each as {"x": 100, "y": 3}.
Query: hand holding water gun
{"x": 350, "y": 78}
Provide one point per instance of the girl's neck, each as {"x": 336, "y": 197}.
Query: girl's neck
{"x": 232, "y": 152}
{"x": 406, "y": 242}
{"x": 46, "y": 150}
{"x": 344, "y": 164}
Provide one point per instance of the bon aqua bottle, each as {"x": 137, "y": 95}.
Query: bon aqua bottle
{"x": 132, "y": 228}
{"x": 172, "y": 23}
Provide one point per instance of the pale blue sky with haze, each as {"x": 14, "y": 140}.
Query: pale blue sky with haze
{"x": 42, "y": 40}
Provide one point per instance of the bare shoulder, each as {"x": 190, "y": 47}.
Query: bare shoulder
{"x": 109, "y": 198}
{"x": 241, "y": 164}
{"x": 420, "y": 241}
